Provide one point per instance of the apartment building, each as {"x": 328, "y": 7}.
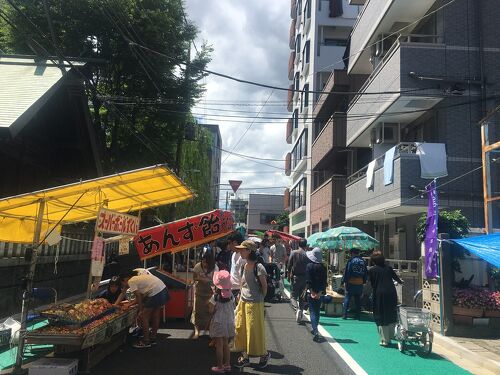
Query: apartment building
{"x": 319, "y": 33}
{"x": 262, "y": 210}
{"x": 431, "y": 72}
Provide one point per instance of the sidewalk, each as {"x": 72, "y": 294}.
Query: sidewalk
{"x": 479, "y": 356}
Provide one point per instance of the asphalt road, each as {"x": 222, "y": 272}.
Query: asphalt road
{"x": 292, "y": 349}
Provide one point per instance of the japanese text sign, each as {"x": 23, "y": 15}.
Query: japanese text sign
{"x": 117, "y": 223}
{"x": 183, "y": 234}
{"x": 97, "y": 249}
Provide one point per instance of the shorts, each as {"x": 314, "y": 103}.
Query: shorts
{"x": 158, "y": 300}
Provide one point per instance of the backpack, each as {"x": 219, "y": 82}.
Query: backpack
{"x": 358, "y": 268}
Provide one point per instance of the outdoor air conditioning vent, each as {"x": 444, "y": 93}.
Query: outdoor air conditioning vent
{"x": 419, "y": 103}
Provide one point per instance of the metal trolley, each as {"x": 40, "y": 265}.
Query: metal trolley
{"x": 413, "y": 326}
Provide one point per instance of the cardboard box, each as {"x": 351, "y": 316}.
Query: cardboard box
{"x": 54, "y": 366}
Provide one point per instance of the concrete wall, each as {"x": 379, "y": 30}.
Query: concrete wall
{"x": 262, "y": 204}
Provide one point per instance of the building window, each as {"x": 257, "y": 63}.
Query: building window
{"x": 298, "y": 195}
{"x": 298, "y": 44}
{"x": 296, "y": 86}
{"x": 267, "y": 218}
{"x": 314, "y": 228}
{"x": 318, "y": 127}
{"x": 305, "y": 53}
{"x": 304, "y": 97}
{"x": 300, "y": 149}
{"x": 307, "y": 10}
{"x": 335, "y": 42}
{"x": 325, "y": 225}
{"x": 295, "y": 118}
{"x": 299, "y": 7}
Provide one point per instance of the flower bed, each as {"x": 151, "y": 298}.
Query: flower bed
{"x": 476, "y": 301}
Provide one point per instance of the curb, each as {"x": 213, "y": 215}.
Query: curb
{"x": 467, "y": 354}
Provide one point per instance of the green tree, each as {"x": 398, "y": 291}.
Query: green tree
{"x": 139, "y": 99}
{"x": 282, "y": 220}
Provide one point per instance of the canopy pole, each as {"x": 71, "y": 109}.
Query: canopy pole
{"x": 187, "y": 266}
{"x": 174, "y": 270}
{"x": 28, "y": 289}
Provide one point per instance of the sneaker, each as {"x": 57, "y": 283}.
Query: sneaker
{"x": 218, "y": 370}
{"x": 264, "y": 360}
{"x": 227, "y": 368}
{"x": 141, "y": 345}
{"x": 242, "y": 362}
{"x": 313, "y": 332}
{"x": 317, "y": 337}
{"x": 298, "y": 316}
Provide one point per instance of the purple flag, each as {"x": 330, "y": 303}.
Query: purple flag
{"x": 431, "y": 232}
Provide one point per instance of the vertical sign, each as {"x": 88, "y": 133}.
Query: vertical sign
{"x": 431, "y": 232}
{"x": 97, "y": 263}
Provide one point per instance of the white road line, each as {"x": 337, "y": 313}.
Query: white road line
{"x": 346, "y": 357}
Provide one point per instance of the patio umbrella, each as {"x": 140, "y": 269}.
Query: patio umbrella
{"x": 312, "y": 240}
{"x": 345, "y": 238}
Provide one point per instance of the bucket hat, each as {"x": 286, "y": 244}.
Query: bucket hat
{"x": 222, "y": 281}
{"x": 315, "y": 255}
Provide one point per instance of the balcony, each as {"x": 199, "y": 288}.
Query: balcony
{"x": 293, "y": 9}
{"x": 331, "y": 136}
{"x": 380, "y": 98}
{"x": 380, "y": 17}
{"x": 291, "y": 65}
{"x": 290, "y": 98}
{"x": 327, "y": 201}
{"x": 286, "y": 199}
{"x": 288, "y": 164}
{"x": 337, "y": 82}
{"x": 324, "y": 15}
{"x": 357, "y": 2}
{"x": 385, "y": 202}
{"x": 289, "y": 131}
{"x": 291, "y": 37}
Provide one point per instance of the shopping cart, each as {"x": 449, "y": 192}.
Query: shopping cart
{"x": 413, "y": 326}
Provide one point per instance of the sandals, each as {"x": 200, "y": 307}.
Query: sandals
{"x": 141, "y": 345}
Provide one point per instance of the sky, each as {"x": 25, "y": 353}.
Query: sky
{"x": 250, "y": 41}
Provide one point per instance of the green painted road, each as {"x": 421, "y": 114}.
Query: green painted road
{"x": 360, "y": 339}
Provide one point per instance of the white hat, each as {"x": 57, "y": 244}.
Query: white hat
{"x": 315, "y": 255}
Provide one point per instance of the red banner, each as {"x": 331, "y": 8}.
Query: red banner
{"x": 183, "y": 234}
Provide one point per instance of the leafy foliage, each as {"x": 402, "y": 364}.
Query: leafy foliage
{"x": 283, "y": 220}
{"x": 139, "y": 99}
{"x": 452, "y": 222}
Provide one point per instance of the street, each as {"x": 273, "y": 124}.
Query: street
{"x": 291, "y": 346}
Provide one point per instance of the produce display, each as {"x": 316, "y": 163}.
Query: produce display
{"x": 476, "y": 298}
{"x": 80, "y": 313}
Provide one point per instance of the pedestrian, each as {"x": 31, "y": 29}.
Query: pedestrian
{"x": 222, "y": 325}
{"x": 316, "y": 287}
{"x": 150, "y": 295}
{"x": 237, "y": 262}
{"x": 264, "y": 251}
{"x": 113, "y": 291}
{"x": 355, "y": 275}
{"x": 223, "y": 259}
{"x": 202, "y": 275}
{"x": 279, "y": 257}
{"x": 250, "y": 337}
{"x": 385, "y": 298}
{"x": 297, "y": 264}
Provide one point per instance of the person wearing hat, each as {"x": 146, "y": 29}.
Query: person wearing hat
{"x": 250, "y": 337}
{"x": 355, "y": 276}
{"x": 316, "y": 286}
{"x": 221, "y": 307}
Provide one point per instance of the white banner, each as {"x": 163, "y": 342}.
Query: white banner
{"x": 116, "y": 223}
{"x": 124, "y": 246}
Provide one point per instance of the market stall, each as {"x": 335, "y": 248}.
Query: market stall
{"x": 36, "y": 218}
{"x": 88, "y": 330}
{"x": 176, "y": 237}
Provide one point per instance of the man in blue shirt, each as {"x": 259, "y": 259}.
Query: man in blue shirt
{"x": 355, "y": 275}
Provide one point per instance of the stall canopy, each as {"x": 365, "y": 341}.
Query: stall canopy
{"x": 485, "y": 247}
{"x": 123, "y": 192}
{"x": 284, "y": 236}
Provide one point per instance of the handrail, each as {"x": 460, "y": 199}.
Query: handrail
{"x": 401, "y": 148}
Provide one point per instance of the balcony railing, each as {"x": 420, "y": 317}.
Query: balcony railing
{"x": 401, "y": 148}
{"x": 288, "y": 164}
{"x": 291, "y": 65}
{"x": 290, "y": 98}
{"x": 291, "y": 38}
{"x": 289, "y": 131}
{"x": 293, "y": 9}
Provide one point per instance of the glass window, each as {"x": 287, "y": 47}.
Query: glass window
{"x": 267, "y": 218}
{"x": 307, "y": 9}
{"x": 295, "y": 118}
{"x": 305, "y": 53}
{"x": 297, "y": 82}
{"x": 298, "y": 44}
{"x": 304, "y": 97}
{"x": 298, "y": 195}
{"x": 300, "y": 149}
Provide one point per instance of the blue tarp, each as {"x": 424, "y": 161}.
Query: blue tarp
{"x": 485, "y": 247}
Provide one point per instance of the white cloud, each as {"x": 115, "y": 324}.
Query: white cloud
{"x": 250, "y": 41}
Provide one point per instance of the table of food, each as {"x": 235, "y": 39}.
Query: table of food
{"x": 83, "y": 326}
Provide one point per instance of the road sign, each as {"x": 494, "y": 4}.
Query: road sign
{"x": 235, "y": 184}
